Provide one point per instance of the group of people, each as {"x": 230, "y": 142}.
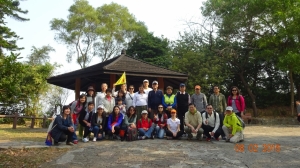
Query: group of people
{"x": 149, "y": 113}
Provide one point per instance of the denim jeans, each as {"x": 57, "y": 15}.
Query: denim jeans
{"x": 147, "y": 133}
{"x": 74, "y": 137}
{"x": 96, "y": 131}
{"x": 159, "y": 132}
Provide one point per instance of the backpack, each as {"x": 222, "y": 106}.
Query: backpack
{"x": 241, "y": 121}
{"x": 148, "y": 121}
{"x": 131, "y": 134}
{"x": 206, "y": 116}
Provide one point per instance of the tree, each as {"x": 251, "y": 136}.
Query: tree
{"x": 155, "y": 50}
{"x": 91, "y": 32}
{"x": 8, "y": 38}
{"x": 40, "y": 55}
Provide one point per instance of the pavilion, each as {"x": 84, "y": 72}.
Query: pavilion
{"x": 109, "y": 72}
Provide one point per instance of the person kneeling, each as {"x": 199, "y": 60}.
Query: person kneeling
{"x": 232, "y": 127}
{"x": 62, "y": 129}
{"x": 211, "y": 123}
{"x": 114, "y": 123}
{"x": 193, "y": 122}
{"x": 145, "y": 126}
{"x": 98, "y": 123}
{"x": 85, "y": 120}
{"x": 173, "y": 131}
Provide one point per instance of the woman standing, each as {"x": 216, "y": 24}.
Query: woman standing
{"x": 98, "y": 123}
{"x": 90, "y": 96}
{"x": 236, "y": 101}
{"x": 128, "y": 124}
{"x": 160, "y": 119}
{"x": 173, "y": 131}
{"x": 108, "y": 104}
{"x": 77, "y": 107}
{"x": 62, "y": 127}
{"x": 114, "y": 123}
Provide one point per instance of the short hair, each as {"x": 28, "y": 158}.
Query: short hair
{"x": 108, "y": 90}
{"x": 119, "y": 99}
{"x": 191, "y": 104}
{"x": 170, "y": 87}
{"x": 216, "y": 86}
{"x": 209, "y": 105}
{"x": 141, "y": 85}
{"x": 91, "y": 102}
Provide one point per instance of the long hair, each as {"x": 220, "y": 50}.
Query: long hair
{"x": 128, "y": 112}
{"x": 114, "y": 113}
{"x": 121, "y": 91}
{"x": 237, "y": 90}
{"x": 78, "y": 101}
{"x": 66, "y": 107}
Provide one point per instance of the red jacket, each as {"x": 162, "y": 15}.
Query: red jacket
{"x": 145, "y": 123}
{"x": 165, "y": 118}
{"x": 239, "y": 102}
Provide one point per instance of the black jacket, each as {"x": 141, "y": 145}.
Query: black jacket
{"x": 95, "y": 118}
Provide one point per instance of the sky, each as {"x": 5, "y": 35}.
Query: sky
{"x": 162, "y": 17}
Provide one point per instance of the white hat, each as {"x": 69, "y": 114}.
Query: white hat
{"x": 146, "y": 80}
{"x": 144, "y": 112}
{"x": 100, "y": 106}
{"x": 155, "y": 82}
{"x": 229, "y": 108}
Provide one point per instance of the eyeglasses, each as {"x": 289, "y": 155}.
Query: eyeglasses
{"x": 160, "y": 107}
{"x": 234, "y": 90}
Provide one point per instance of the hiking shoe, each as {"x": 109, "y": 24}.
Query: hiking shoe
{"x": 69, "y": 143}
{"x": 152, "y": 136}
{"x": 227, "y": 140}
{"x": 224, "y": 138}
{"x": 208, "y": 139}
{"x": 142, "y": 137}
{"x": 94, "y": 139}
{"x": 85, "y": 140}
{"x": 75, "y": 142}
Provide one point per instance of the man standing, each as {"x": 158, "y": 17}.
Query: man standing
{"x": 211, "y": 123}
{"x": 193, "y": 122}
{"x": 218, "y": 101}
{"x": 199, "y": 99}
{"x": 155, "y": 97}
{"x": 183, "y": 100}
{"x": 146, "y": 86}
{"x": 100, "y": 96}
{"x": 232, "y": 127}
{"x": 140, "y": 101}
{"x": 129, "y": 97}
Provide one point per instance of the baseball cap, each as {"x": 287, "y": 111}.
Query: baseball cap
{"x": 182, "y": 84}
{"x": 144, "y": 112}
{"x": 146, "y": 80}
{"x": 100, "y": 106}
{"x": 229, "y": 108}
{"x": 155, "y": 82}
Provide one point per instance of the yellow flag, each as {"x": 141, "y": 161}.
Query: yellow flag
{"x": 122, "y": 79}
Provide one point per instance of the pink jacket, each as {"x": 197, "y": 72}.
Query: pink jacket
{"x": 239, "y": 102}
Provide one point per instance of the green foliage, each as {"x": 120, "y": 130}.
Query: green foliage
{"x": 145, "y": 46}
{"x": 90, "y": 32}
{"x": 8, "y": 38}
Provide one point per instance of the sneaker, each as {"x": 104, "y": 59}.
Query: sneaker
{"x": 224, "y": 138}
{"x": 94, "y": 139}
{"x": 152, "y": 136}
{"x": 75, "y": 142}
{"x": 85, "y": 140}
{"x": 69, "y": 143}
{"x": 208, "y": 139}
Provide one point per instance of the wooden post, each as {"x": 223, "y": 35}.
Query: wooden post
{"x": 77, "y": 88}
{"x": 112, "y": 80}
{"x": 15, "y": 121}
{"x": 32, "y": 121}
{"x": 44, "y": 121}
{"x": 161, "y": 84}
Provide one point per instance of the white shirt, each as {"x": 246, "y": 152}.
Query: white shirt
{"x": 129, "y": 100}
{"x": 140, "y": 99}
{"x": 211, "y": 120}
{"x": 147, "y": 90}
{"x": 173, "y": 124}
{"x": 115, "y": 93}
{"x": 99, "y": 99}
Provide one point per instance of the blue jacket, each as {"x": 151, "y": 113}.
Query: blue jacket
{"x": 60, "y": 126}
{"x": 166, "y": 105}
{"x": 110, "y": 121}
{"x": 154, "y": 99}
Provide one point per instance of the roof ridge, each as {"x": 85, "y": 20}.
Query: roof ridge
{"x": 113, "y": 62}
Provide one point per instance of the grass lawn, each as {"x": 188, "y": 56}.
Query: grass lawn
{"x": 31, "y": 157}
{"x": 22, "y": 133}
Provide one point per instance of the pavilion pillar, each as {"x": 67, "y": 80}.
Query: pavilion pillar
{"x": 112, "y": 80}
{"x": 161, "y": 84}
{"x": 77, "y": 88}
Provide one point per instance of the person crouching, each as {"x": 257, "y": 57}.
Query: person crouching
{"x": 145, "y": 126}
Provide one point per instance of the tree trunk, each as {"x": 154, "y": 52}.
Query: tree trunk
{"x": 292, "y": 91}
{"x": 252, "y": 96}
